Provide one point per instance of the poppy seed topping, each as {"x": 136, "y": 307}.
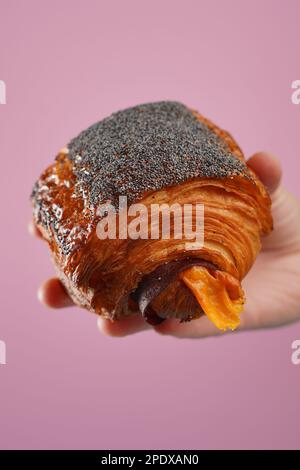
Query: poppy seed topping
{"x": 147, "y": 148}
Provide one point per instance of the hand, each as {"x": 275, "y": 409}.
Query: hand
{"x": 271, "y": 287}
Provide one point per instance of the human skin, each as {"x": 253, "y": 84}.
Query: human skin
{"x": 271, "y": 287}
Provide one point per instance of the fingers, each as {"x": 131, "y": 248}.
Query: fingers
{"x": 286, "y": 216}
{"x": 199, "y": 328}
{"x": 285, "y": 207}
{"x": 136, "y": 324}
{"x": 125, "y": 327}
{"x": 53, "y": 294}
{"x": 267, "y": 167}
{"x": 33, "y": 230}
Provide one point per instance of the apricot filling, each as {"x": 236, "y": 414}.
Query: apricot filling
{"x": 219, "y": 294}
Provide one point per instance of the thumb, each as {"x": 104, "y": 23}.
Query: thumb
{"x": 268, "y": 169}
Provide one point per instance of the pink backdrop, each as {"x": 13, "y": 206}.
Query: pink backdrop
{"x": 67, "y": 64}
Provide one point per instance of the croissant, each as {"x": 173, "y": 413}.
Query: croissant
{"x": 153, "y": 154}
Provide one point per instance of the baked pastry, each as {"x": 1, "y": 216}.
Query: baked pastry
{"x": 157, "y": 153}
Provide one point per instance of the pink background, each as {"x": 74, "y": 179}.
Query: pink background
{"x": 67, "y": 64}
